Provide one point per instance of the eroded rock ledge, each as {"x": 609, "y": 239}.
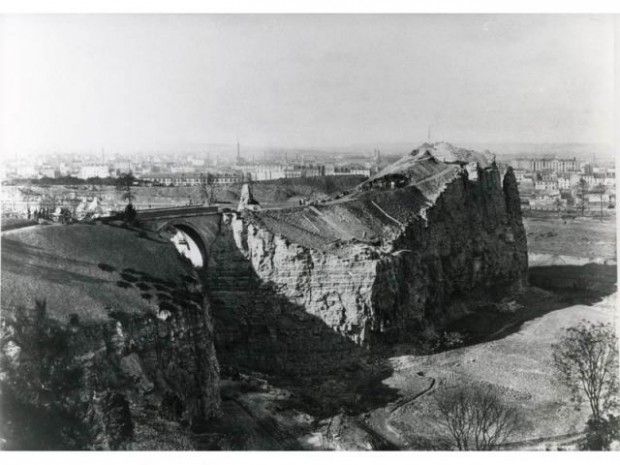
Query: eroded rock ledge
{"x": 303, "y": 289}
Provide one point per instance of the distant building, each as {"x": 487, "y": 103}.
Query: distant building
{"x": 546, "y": 185}
{"x": 304, "y": 171}
{"x": 520, "y": 175}
{"x": 191, "y": 179}
{"x": 26, "y": 171}
{"x": 182, "y": 169}
{"x": 93, "y": 171}
{"x": 588, "y": 168}
{"x": 64, "y": 169}
{"x": 47, "y": 171}
{"x": 603, "y": 179}
{"x": 598, "y": 197}
{"x": 270, "y": 172}
{"x": 546, "y": 175}
{"x": 361, "y": 172}
{"x": 610, "y": 180}
{"x": 564, "y": 181}
{"x": 263, "y": 172}
{"x": 122, "y": 166}
{"x": 589, "y": 179}
{"x": 558, "y": 165}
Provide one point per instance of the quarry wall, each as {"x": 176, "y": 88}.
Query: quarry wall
{"x": 262, "y": 320}
{"x": 283, "y": 306}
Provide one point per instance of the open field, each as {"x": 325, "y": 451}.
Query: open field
{"x": 588, "y": 238}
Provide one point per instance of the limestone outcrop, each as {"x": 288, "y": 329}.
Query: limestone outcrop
{"x": 246, "y": 199}
{"x": 304, "y": 288}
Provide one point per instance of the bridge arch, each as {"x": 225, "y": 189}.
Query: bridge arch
{"x": 189, "y": 243}
{"x": 193, "y": 230}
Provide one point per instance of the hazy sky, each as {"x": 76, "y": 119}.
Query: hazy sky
{"x": 163, "y": 82}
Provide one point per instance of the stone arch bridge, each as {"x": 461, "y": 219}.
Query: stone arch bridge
{"x": 201, "y": 224}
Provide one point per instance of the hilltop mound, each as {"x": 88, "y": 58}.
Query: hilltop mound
{"x": 448, "y": 153}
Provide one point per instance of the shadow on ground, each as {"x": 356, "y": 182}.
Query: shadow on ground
{"x": 562, "y": 286}
{"x": 260, "y": 332}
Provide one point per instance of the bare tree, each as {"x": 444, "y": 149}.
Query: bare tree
{"x": 586, "y": 360}
{"x": 207, "y": 189}
{"x": 476, "y": 418}
{"x": 582, "y": 188}
{"x": 601, "y": 191}
{"x": 557, "y": 203}
{"x": 123, "y": 184}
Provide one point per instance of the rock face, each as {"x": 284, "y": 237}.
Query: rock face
{"x": 134, "y": 374}
{"x": 246, "y": 199}
{"x": 123, "y": 381}
{"x": 302, "y": 289}
{"x": 259, "y": 285}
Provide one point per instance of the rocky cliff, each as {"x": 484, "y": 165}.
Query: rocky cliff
{"x": 413, "y": 247}
{"x": 107, "y": 347}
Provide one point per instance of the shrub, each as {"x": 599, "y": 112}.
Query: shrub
{"x": 452, "y": 339}
{"x": 106, "y": 267}
{"x": 129, "y": 277}
{"x": 601, "y": 433}
{"x": 476, "y": 418}
{"x": 130, "y": 213}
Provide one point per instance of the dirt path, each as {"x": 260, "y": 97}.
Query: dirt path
{"x": 378, "y": 425}
{"x": 570, "y": 439}
{"x": 408, "y": 399}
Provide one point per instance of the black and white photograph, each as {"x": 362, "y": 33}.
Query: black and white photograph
{"x": 309, "y": 232}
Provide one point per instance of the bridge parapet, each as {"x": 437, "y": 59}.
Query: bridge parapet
{"x": 175, "y": 212}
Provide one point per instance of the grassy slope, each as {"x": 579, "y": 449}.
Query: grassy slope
{"x": 61, "y": 264}
{"x": 16, "y": 223}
